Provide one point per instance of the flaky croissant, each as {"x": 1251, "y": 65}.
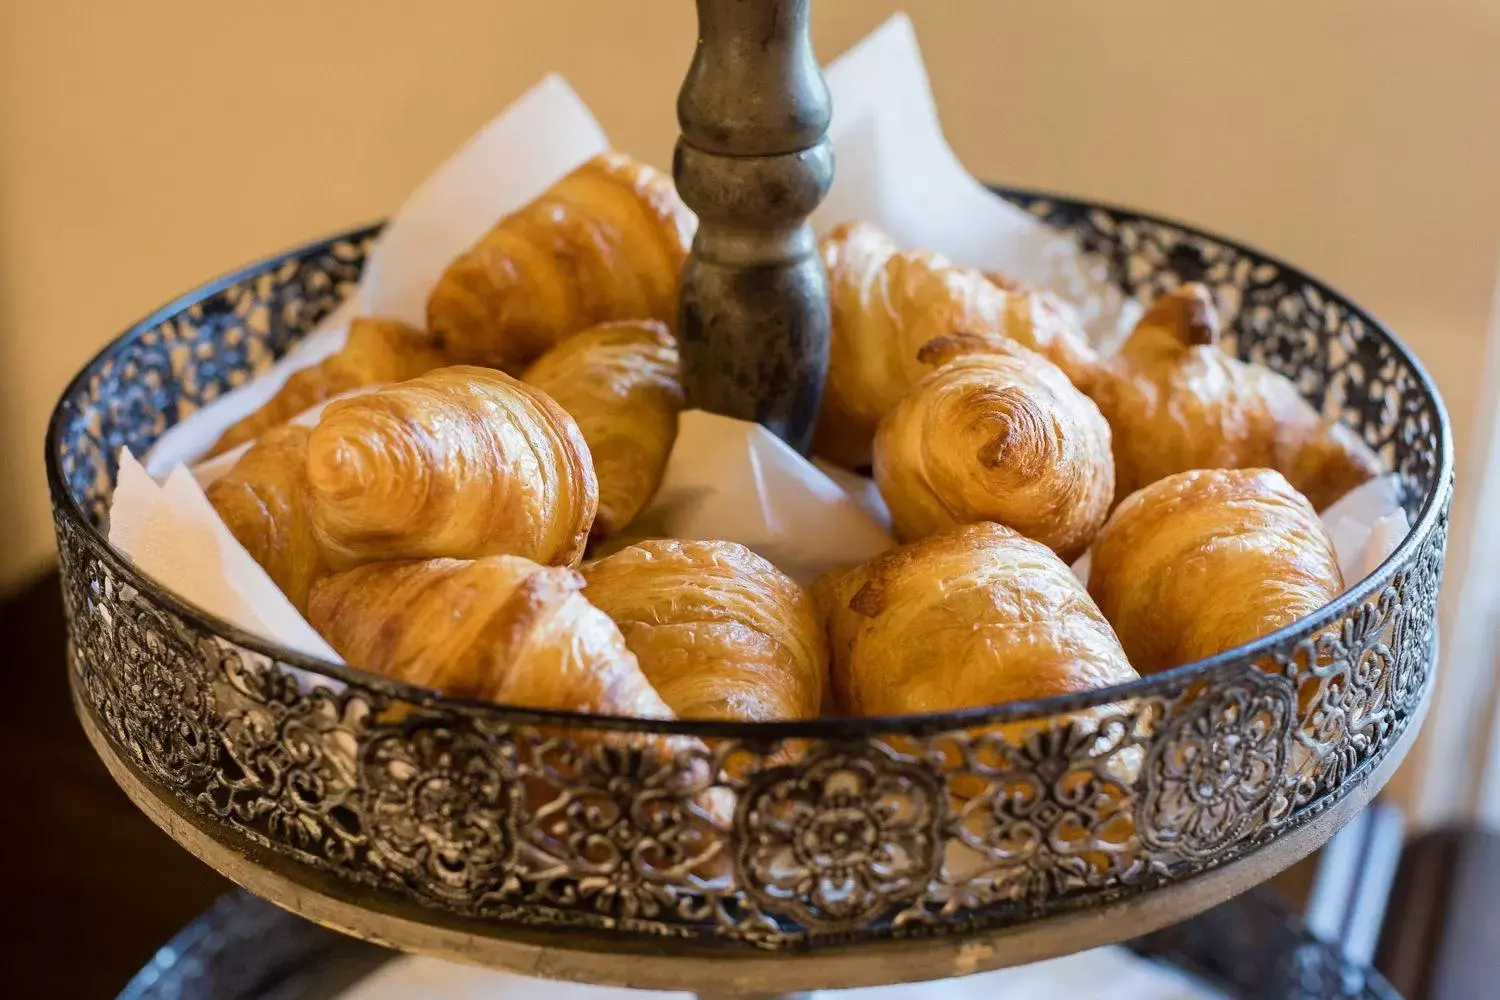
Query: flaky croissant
{"x": 1177, "y": 402}
{"x": 263, "y": 500}
{"x": 719, "y": 631}
{"x": 606, "y": 242}
{"x": 1203, "y": 561}
{"x": 886, "y": 304}
{"x": 971, "y": 616}
{"x": 621, "y": 383}
{"x": 996, "y": 437}
{"x": 461, "y": 462}
{"x": 377, "y": 350}
{"x": 501, "y": 628}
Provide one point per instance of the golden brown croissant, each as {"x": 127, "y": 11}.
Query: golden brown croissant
{"x": 500, "y": 628}
{"x": 972, "y": 616}
{"x": 1207, "y": 560}
{"x": 378, "y": 350}
{"x": 620, "y": 382}
{"x": 606, "y": 242}
{"x": 263, "y": 500}
{"x": 1177, "y": 402}
{"x": 996, "y": 437}
{"x": 887, "y": 304}
{"x": 460, "y": 462}
{"x": 719, "y": 631}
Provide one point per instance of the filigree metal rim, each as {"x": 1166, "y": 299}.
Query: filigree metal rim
{"x": 656, "y": 963}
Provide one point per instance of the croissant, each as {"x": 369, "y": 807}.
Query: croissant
{"x": 460, "y": 462}
{"x": 378, "y": 350}
{"x": 971, "y": 616}
{"x": 606, "y": 242}
{"x": 500, "y": 628}
{"x": 1207, "y": 560}
{"x": 996, "y": 437}
{"x": 263, "y": 500}
{"x": 886, "y": 304}
{"x": 719, "y": 631}
{"x": 1177, "y": 402}
{"x": 620, "y": 382}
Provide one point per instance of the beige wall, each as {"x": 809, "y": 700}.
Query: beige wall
{"x": 147, "y": 146}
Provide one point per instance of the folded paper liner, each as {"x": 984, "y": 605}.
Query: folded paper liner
{"x": 725, "y": 479}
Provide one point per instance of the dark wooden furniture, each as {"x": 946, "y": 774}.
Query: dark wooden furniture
{"x": 100, "y": 887}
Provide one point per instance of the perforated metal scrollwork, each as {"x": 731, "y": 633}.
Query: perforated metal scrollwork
{"x": 745, "y": 835}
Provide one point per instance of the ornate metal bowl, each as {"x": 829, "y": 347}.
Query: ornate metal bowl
{"x": 762, "y": 857}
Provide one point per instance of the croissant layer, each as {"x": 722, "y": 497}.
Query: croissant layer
{"x": 264, "y": 502}
{"x": 461, "y": 462}
{"x": 620, "y": 382}
{"x": 607, "y": 242}
{"x": 377, "y": 350}
{"x": 501, "y": 628}
{"x": 887, "y": 303}
{"x": 1203, "y": 561}
{"x": 719, "y": 631}
{"x": 1177, "y": 402}
{"x": 996, "y": 437}
{"x": 971, "y": 616}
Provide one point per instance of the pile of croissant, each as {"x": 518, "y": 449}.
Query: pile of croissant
{"x": 433, "y": 527}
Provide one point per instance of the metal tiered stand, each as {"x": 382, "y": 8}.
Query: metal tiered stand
{"x": 749, "y": 859}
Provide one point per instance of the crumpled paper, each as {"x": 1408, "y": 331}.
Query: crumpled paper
{"x": 174, "y": 535}
{"x": 1365, "y": 525}
{"x": 1101, "y": 974}
{"x": 726, "y": 479}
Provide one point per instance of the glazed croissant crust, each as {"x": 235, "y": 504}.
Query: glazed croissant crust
{"x": 887, "y": 303}
{"x": 719, "y": 631}
{"x": 264, "y": 500}
{"x": 378, "y": 350}
{"x": 1204, "y": 561}
{"x": 606, "y": 242}
{"x": 501, "y": 628}
{"x": 996, "y": 437}
{"x": 971, "y": 616}
{"x": 1177, "y": 402}
{"x": 620, "y": 382}
{"x": 461, "y": 462}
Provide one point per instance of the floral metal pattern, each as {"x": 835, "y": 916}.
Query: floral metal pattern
{"x": 1214, "y": 771}
{"x": 835, "y": 839}
{"x": 733, "y": 833}
{"x": 441, "y": 806}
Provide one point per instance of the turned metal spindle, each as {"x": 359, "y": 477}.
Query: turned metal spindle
{"x": 753, "y": 162}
